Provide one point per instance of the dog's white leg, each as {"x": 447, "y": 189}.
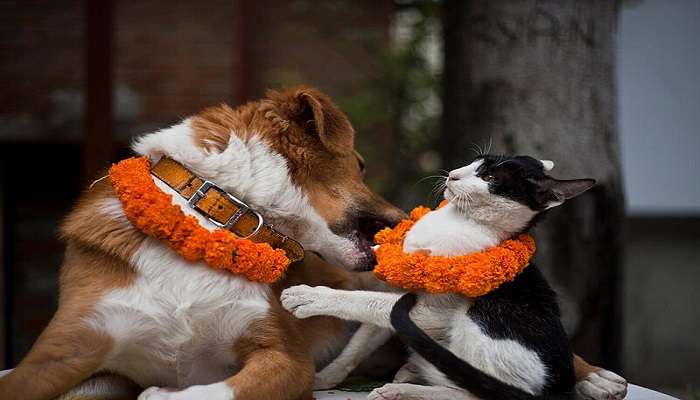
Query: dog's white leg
{"x": 407, "y": 391}
{"x": 363, "y": 343}
{"x": 215, "y": 391}
{"x": 367, "y": 307}
{"x": 103, "y": 387}
{"x": 602, "y": 385}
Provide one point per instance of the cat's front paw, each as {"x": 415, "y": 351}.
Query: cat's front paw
{"x": 390, "y": 391}
{"x": 407, "y": 374}
{"x": 602, "y": 385}
{"x": 304, "y": 301}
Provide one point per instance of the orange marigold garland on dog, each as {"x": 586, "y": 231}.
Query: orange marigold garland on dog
{"x": 152, "y": 211}
{"x": 473, "y": 275}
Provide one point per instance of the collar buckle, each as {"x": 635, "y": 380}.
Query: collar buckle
{"x": 243, "y": 208}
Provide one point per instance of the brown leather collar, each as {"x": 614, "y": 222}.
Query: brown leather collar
{"x": 223, "y": 209}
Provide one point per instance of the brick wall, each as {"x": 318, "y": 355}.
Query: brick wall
{"x": 177, "y": 56}
{"x": 41, "y": 46}
{"x": 174, "y": 58}
{"x": 329, "y": 44}
{"x": 171, "y": 59}
{"x": 3, "y": 329}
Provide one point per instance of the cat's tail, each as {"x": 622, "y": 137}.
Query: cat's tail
{"x": 463, "y": 374}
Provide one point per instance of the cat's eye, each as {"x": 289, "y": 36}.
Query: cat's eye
{"x": 489, "y": 178}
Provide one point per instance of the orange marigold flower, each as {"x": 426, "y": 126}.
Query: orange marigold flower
{"x": 152, "y": 212}
{"x": 473, "y": 274}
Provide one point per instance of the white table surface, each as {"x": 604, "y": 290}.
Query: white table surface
{"x": 634, "y": 393}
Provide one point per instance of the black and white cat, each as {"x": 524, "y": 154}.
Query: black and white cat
{"x": 509, "y": 344}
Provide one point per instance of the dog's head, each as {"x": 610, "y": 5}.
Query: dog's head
{"x": 292, "y": 157}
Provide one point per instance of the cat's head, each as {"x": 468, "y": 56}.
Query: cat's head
{"x": 509, "y": 191}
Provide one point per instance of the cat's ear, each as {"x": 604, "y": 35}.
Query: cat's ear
{"x": 553, "y": 192}
{"x": 547, "y": 165}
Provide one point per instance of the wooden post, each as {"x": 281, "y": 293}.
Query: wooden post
{"x": 241, "y": 52}
{"x": 3, "y": 303}
{"x": 97, "y": 134}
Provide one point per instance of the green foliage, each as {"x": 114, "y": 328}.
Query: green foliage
{"x": 693, "y": 392}
{"x": 398, "y": 109}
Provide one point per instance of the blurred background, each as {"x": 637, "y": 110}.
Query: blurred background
{"x": 607, "y": 89}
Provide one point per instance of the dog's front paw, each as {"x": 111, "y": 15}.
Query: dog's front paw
{"x": 602, "y": 385}
{"x": 328, "y": 379}
{"x": 303, "y": 300}
{"x": 215, "y": 391}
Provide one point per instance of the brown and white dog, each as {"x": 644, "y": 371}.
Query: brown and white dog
{"x": 130, "y": 306}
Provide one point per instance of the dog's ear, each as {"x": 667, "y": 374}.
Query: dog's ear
{"x": 319, "y": 116}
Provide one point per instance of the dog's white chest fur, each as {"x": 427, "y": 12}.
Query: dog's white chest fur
{"x": 176, "y": 325}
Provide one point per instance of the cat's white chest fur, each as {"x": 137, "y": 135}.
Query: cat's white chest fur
{"x": 505, "y": 359}
{"x": 447, "y": 232}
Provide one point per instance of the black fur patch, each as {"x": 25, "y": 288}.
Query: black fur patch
{"x": 524, "y": 310}
{"x": 515, "y": 178}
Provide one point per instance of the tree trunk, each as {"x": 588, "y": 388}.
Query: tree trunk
{"x": 537, "y": 78}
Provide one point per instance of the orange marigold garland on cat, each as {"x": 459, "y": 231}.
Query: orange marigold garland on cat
{"x": 152, "y": 211}
{"x": 473, "y": 275}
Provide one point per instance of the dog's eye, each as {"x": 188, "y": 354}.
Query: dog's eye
{"x": 361, "y": 164}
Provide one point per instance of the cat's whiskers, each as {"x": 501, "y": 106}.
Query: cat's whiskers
{"x": 460, "y": 203}
{"x": 506, "y": 161}
{"x": 468, "y": 204}
{"x": 463, "y": 201}
{"x": 470, "y": 200}
{"x": 439, "y": 188}
{"x": 430, "y": 177}
{"x": 441, "y": 181}
{"x": 477, "y": 149}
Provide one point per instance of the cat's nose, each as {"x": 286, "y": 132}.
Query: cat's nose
{"x": 452, "y": 177}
